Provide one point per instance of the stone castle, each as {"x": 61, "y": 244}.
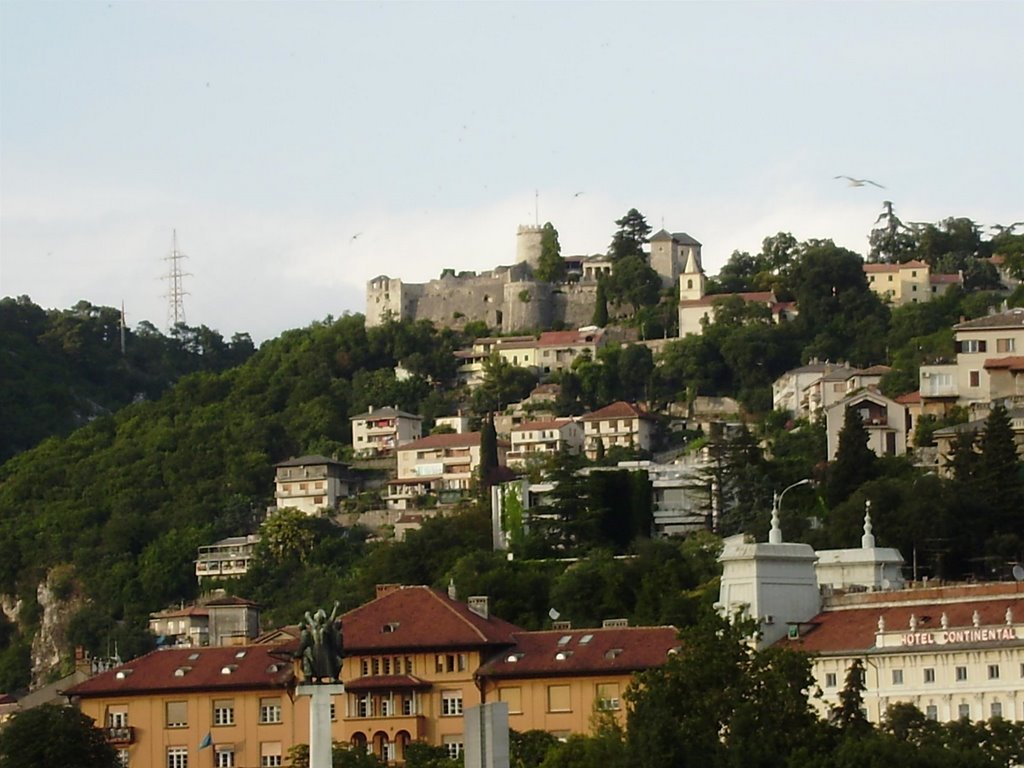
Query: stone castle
{"x": 510, "y": 298}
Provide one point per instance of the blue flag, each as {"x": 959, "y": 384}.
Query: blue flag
{"x": 207, "y": 741}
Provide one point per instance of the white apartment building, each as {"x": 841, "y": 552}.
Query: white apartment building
{"x": 380, "y": 430}
{"x": 312, "y": 483}
{"x": 540, "y": 439}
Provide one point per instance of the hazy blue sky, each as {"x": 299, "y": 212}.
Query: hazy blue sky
{"x": 268, "y": 134}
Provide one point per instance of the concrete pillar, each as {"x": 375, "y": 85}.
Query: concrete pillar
{"x": 320, "y": 720}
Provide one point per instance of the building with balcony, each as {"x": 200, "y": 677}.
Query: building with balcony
{"x": 885, "y": 421}
{"x": 379, "y": 431}
{"x": 415, "y": 659}
{"x": 535, "y": 440}
{"x": 545, "y": 354}
{"x": 440, "y": 465}
{"x": 909, "y": 283}
{"x": 313, "y": 484}
{"x": 227, "y": 558}
{"x": 188, "y": 625}
{"x": 989, "y": 366}
{"x": 619, "y": 424}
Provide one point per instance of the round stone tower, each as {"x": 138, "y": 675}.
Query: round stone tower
{"x": 528, "y": 239}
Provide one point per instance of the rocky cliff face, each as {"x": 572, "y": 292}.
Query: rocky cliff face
{"x": 59, "y": 600}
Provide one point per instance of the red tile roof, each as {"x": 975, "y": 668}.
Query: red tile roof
{"x": 946, "y": 278}
{"x": 451, "y": 440}
{"x": 174, "y": 613}
{"x": 877, "y": 267}
{"x": 411, "y": 618}
{"x": 1013, "y": 363}
{"x": 853, "y": 629}
{"x": 386, "y": 683}
{"x": 263, "y": 667}
{"x": 617, "y": 410}
{"x": 554, "y": 652}
{"x": 566, "y": 338}
{"x": 909, "y": 398}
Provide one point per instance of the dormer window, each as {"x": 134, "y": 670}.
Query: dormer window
{"x": 227, "y": 669}
{"x": 122, "y": 674}
{"x": 390, "y": 627}
{"x": 182, "y": 671}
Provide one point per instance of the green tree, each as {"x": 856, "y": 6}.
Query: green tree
{"x": 854, "y": 462}
{"x": 849, "y": 714}
{"x": 550, "y": 266}
{"x": 53, "y": 735}
{"x": 630, "y": 236}
{"x": 633, "y": 282}
{"x": 1000, "y": 472}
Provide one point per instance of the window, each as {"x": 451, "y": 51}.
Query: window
{"x": 830, "y": 680}
{"x": 454, "y": 746}
{"x": 318, "y": 499}
{"x": 376, "y": 666}
{"x": 177, "y": 757}
{"x": 513, "y": 697}
{"x": 387, "y": 665}
{"x": 929, "y": 675}
{"x": 122, "y": 758}
{"x": 558, "y": 698}
{"x": 224, "y": 757}
{"x": 993, "y": 671}
{"x": 117, "y": 717}
{"x": 450, "y": 662}
{"x": 964, "y": 711}
{"x": 996, "y": 709}
{"x": 334, "y": 714}
{"x": 270, "y": 710}
{"x": 931, "y": 712}
{"x": 462, "y": 661}
{"x": 408, "y": 665}
{"x": 223, "y": 712}
{"x": 364, "y": 667}
{"x": 608, "y": 696}
{"x": 974, "y": 379}
{"x": 438, "y": 663}
{"x": 270, "y": 754}
{"x": 972, "y": 345}
{"x": 386, "y": 708}
{"x": 407, "y": 706}
{"x": 451, "y": 703}
{"x": 364, "y": 706}
{"x": 897, "y": 677}
{"x": 961, "y": 674}
{"x": 177, "y": 714}
{"x": 890, "y": 278}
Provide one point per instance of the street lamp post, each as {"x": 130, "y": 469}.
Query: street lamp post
{"x": 775, "y": 534}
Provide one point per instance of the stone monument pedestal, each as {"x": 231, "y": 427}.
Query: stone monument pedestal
{"x": 319, "y": 720}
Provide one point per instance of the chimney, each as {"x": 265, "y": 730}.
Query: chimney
{"x": 82, "y": 661}
{"x": 479, "y": 604}
{"x": 387, "y": 589}
{"x": 614, "y": 623}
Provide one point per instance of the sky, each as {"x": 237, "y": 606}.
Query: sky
{"x": 299, "y": 149}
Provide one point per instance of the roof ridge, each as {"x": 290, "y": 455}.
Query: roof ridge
{"x": 450, "y": 605}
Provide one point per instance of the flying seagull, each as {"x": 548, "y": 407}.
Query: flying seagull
{"x": 356, "y": 236}
{"x": 859, "y": 182}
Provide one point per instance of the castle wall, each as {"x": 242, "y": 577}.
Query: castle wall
{"x": 527, "y": 306}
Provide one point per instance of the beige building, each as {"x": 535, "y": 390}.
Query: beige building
{"x": 908, "y": 283}
{"x": 989, "y": 366}
{"x": 312, "y": 483}
{"x": 440, "y": 465}
{"x": 619, "y": 424}
{"x": 885, "y": 421}
{"x": 547, "y": 353}
{"x": 540, "y": 439}
{"x": 670, "y": 253}
{"x": 379, "y": 431}
{"x": 415, "y": 660}
{"x": 944, "y": 438}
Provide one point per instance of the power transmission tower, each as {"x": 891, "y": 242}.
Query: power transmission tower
{"x": 176, "y": 294}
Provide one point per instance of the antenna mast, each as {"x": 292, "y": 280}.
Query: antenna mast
{"x": 176, "y": 295}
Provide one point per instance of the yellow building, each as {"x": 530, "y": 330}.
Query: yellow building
{"x": 908, "y": 283}
{"x": 415, "y": 659}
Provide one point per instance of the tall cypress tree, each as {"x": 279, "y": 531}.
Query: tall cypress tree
{"x": 855, "y": 462}
{"x": 999, "y": 472}
{"x": 601, "y": 304}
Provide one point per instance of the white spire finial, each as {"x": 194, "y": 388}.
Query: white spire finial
{"x": 452, "y": 594}
{"x": 1009, "y": 617}
{"x": 881, "y": 623}
{"x": 775, "y": 534}
{"x": 944, "y": 620}
{"x": 867, "y": 541}
{"x": 976, "y": 619}
{"x": 913, "y": 622}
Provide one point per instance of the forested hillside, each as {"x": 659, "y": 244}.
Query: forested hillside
{"x": 60, "y": 369}
{"x": 110, "y": 515}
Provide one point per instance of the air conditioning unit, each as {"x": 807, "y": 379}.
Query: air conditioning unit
{"x": 925, "y": 375}
{"x": 769, "y": 619}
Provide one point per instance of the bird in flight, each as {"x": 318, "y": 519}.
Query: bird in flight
{"x": 577, "y": 194}
{"x": 356, "y": 236}
{"x": 859, "y": 182}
